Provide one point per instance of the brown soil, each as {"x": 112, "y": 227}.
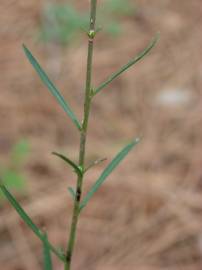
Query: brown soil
{"x": 148, "y": 215}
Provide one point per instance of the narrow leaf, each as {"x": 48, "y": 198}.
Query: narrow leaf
{"x": 72, "y": 192}
{"x": 47, "y": 255}
{"x": 22, "y": 213}
{"x": 70, "y": 162}
{"x": 51, "y": 87}
{"x": 28, "y": 221}
{"x": 128, "y": 65}
{"x": 113, "y": 164}
{"x": 94, "y": 163}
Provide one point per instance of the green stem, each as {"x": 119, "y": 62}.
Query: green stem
{"x": 83, "y": 136}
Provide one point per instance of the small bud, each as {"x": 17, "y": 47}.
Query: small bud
{"x": 92, "y": 92}
{"x": 81, "y": 169}
{"x": 91, "y": 34}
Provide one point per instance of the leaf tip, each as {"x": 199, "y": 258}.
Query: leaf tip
{"x": 156, "y": 38}
{"x": 24, "y": 48}
{"x": 137, "y": 140}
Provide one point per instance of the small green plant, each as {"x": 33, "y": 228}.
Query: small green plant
{"x": 80, "y": 200}
{"x": 11, "y": 172}
{"x": 62, "y": 22}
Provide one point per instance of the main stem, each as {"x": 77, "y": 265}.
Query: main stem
{"x": 83, "y": 136}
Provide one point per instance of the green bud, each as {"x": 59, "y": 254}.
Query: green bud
{"x": 91, "y": 34}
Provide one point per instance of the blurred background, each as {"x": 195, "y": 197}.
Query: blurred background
{"x": 148, "y": 215}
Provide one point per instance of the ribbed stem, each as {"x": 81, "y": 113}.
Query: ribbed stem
{"x": 83, "y": 136}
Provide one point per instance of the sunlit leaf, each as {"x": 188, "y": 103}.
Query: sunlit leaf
{"x": 70, "y": 162}
{"x": 128, "y": 65}
{"x": 29, "y": 221}
{"x": 51, "y": 87}
{"x": 113, "y": 164}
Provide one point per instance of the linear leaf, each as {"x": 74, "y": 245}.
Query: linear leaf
{"x": 113, "y": 164}
{"x": 22, "y": 213}
{"x": 28, "y": 220}
{"x": 47, "y": 255}
{"x": 128, "y": 65}
{"x": 94, "y": 163}
{"x": 51, "y": 87}
{"x": 70, "y": 162}
{"x": 72, "y": 192}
